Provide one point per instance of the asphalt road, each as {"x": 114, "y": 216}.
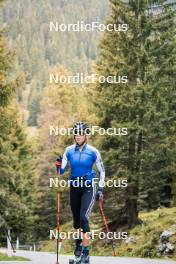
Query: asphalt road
{"x": 48, "y": 258}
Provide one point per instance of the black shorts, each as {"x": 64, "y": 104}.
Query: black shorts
{"x": 82, "y": 200}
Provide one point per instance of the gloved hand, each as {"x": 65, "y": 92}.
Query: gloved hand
{"x": 58, "y": 162}
{"x": 99, "y": 195}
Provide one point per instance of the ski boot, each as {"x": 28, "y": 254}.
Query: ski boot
{"x": 85, "y": 259}
{"x": 77, "y": 253}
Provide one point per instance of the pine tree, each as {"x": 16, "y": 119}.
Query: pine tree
{"x": 15, "y": 155}
{"x": 7, "y": 87}
{"x": 161, "y": 117}
{"x": 139, "y": 105}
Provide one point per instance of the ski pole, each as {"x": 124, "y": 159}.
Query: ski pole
{"x": 58, "y": 213}
{"x": 105, "y": 223}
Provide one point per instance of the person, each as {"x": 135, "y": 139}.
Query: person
{"x": 83, "y": 193}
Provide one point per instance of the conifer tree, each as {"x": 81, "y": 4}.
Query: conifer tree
{"x": 16, "y": 197}
{"x": 139, "y": 105}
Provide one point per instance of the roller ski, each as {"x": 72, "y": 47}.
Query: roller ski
{"x": 74, "y": 261}
{"x": 84, "y": 259}
{"x": 77, "y": 253}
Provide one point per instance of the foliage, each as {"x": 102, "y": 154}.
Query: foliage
{"x": 16, "y": 198}
{"x": 144, "y": 105}
{"x": 39, "y": 49}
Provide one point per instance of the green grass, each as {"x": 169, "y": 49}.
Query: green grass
{"x": 4, "y": 257}
{"x": 154, "y": 223}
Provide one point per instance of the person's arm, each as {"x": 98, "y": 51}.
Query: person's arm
{"x": 101, "y": 170}
{"x": 64, "y": 162}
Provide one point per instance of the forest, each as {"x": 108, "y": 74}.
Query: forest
{"x": 30, "y": 104}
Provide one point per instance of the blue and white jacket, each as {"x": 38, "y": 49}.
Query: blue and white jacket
{"x": 81, "y": 163}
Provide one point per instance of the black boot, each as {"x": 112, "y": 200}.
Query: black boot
{"x": 78, "y": 249}
{"x": 85, "y": 259}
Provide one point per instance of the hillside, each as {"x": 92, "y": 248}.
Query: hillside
{"x": 39, "y": 50}
{"x": 143, "y": 240}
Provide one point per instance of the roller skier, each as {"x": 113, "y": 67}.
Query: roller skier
{"x": 83, "y": 194}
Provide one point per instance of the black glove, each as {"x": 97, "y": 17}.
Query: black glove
{"x": 58, "y": 162}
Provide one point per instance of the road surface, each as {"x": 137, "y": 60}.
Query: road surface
{"x": 49, "y": 258}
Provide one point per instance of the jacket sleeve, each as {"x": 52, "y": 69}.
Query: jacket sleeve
{"x": 64, "y": 162}
{"x": 100, "y": 168}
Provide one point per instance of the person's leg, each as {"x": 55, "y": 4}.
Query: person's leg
{"x": 87, "y": 202}
{"x": 75, "y": 203}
